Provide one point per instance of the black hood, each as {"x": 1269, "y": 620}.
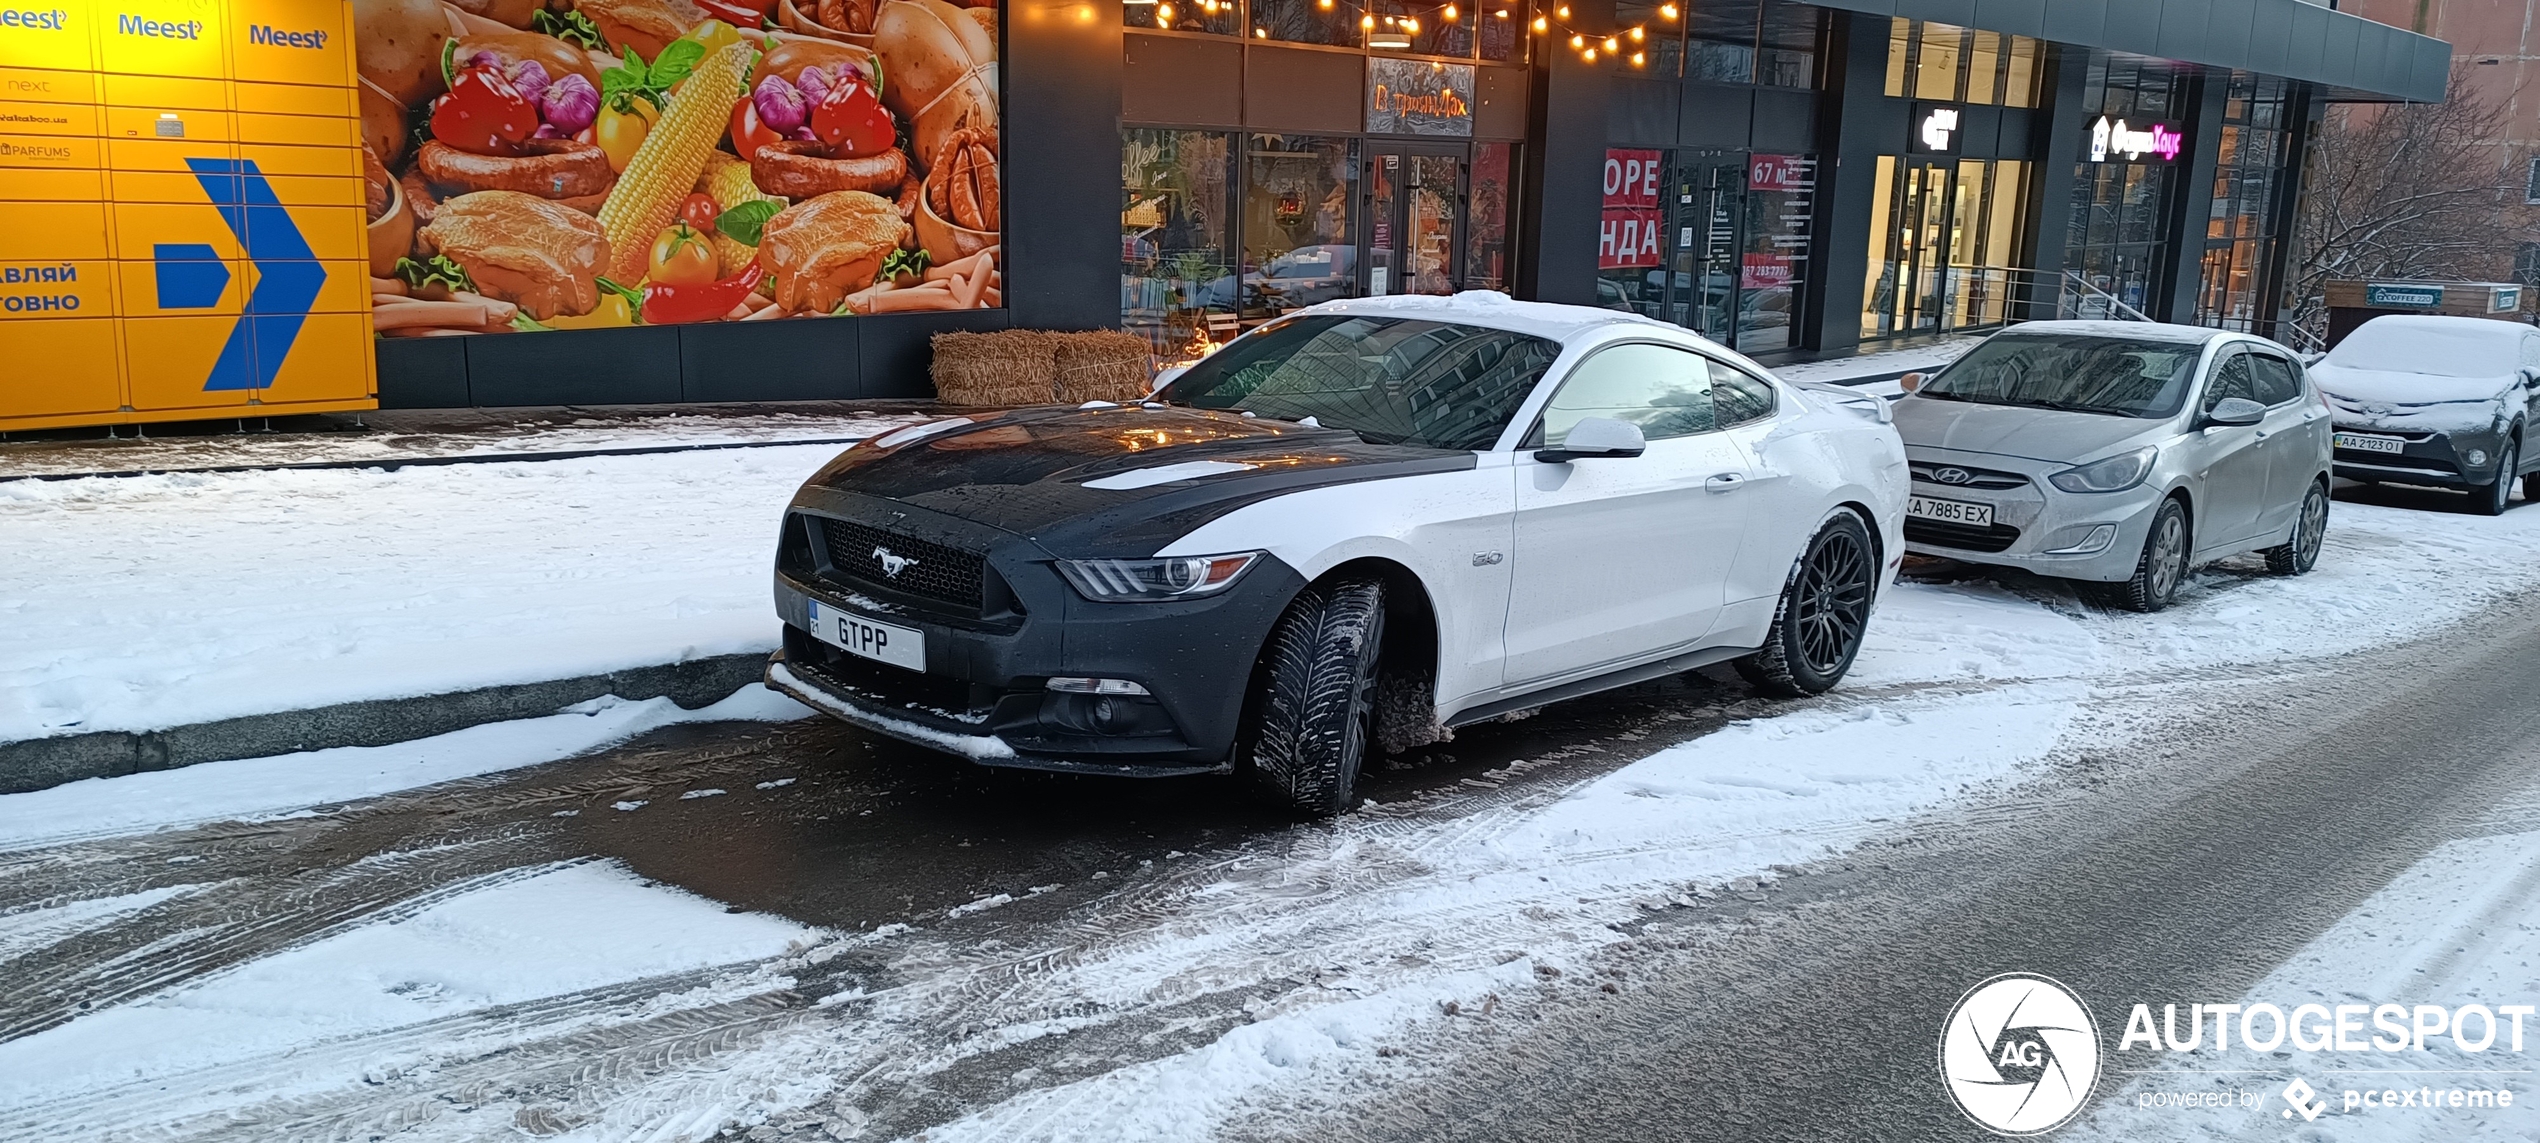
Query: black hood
{"x": 1024, "y": 472}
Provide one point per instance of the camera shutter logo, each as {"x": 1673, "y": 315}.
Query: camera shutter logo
{"x": 2020, "y": 1054}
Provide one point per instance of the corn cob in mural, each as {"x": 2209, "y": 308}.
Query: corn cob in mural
{"x": 727, "y": 182}
{"x": 673, "y": 154}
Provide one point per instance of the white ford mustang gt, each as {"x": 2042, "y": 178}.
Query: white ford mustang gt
{"x": 1359, "y": 524}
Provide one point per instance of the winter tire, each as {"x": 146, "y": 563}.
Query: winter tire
{"x": 2491, "y": 498}
{"x": 1824, "y": 608}
{"x": 1313, "y": 701}
{"x": 2302, "y": 552}
{"x": 2159, "y": 569}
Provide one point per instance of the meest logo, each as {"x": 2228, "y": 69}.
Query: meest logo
{"x": 2020, "y": 1054}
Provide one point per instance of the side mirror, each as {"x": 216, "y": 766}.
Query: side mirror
{"x": 1597, "y": 437}
{"x": 1912, "y": 382}
{"x": 2236, "y": 411}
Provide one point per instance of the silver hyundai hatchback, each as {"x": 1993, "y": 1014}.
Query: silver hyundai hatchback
{"x": 2119, "y": 454}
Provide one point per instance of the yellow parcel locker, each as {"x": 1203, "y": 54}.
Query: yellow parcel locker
{"x": 344, "y": 159}
{"x": 297, "y": 99}
{"x": 183, "y": 285}
{"x": 36, "y": 85}
{"x": 173, "y": 358}
{"x": 172, "y": 126}
{"x": 334, "y": 233}
{"x": 347, "y": 289}
{"x": 164, "y": 37}
{"x": 48, "y": 34}
{"x": 61, "y": 367}
{"x": 24, "y": 117}
{"x": 168, "y": 155}
{"x": 29, "y": 184}
{"x": 54, "y": 232}
{"x": 292, "y": 41}
{"x": 336, "y": 132}
{"x": 164, "y": 93}
{"x": 313, "y": 190}
{"x": 142, "y": 227}
{"x": 329, "y": 361}
{"x": 33, "y": 290}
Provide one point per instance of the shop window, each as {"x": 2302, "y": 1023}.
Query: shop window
{"x": 1299, "y": 246}
{"x": 1713, "y": 241}
{"x": 1789, "y": 44}
{"x": 2527, "y": 263}
{"x": 2531, "y": 183}
{"x": 1176, "y": 234}
{"x": 1331, "y": 22}
{"x": 1486, "y": 228}
{"x": 1664, "y": 48}
{"x": 1958, "y": 65}
{"x": 1943, "y": 239}
{"x": 2119, "y": 207}
{"x": 1720, "y": 40}
{"x": 2241, "y": 234}
{"x": 1215, "y": 17}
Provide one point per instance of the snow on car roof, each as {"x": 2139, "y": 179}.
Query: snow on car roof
{"x": 1492, "y": 309}
{"x": 2138, "y": 330}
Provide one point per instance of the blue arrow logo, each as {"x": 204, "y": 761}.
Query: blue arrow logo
{"x": 288, "y": 275}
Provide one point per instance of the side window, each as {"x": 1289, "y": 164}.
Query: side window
{"x": 2230, "y": 379}
{"x": 2273, "y": 379}
{"x": 1739, "y": 396}
{"x": 1666, "y": 391}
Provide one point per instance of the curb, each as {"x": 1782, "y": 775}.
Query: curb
{"x": 37, "y": 763}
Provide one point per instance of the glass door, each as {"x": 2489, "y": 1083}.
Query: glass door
{"x": 1415, "y": 218}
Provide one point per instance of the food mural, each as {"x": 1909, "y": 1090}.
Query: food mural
{"x": 584, "y": 164}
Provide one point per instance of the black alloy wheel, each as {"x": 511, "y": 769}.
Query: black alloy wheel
{"x": 2493, "y": 497}
{"x": 2301, "y": 553}
{"x": 1824, "y": 610}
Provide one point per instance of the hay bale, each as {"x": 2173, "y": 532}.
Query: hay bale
{"x": 1005, "y": 367}
{"x": 1102, "y": 365}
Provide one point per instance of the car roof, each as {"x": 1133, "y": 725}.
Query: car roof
{"x": 2134, "y": 330}
{"x": 2452, "y": 324}
{"x": 1494, "y": 310}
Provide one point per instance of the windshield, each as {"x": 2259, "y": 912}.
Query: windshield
{"x": 2078, "y": 373}
{"x": 1390, "y": 380}
{"x": 2457, "y": 347}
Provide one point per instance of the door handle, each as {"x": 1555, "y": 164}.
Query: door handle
{"x": 1725, "y": 482}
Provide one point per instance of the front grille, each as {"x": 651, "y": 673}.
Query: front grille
{"x": 1976, "y": 477}
{"x": 933, "y": 699}
{"x": 1965, "y": 537}
{"x": 934, "y": 571}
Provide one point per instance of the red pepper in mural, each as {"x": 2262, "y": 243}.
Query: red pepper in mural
{"x": 745, "y": 16}
{"x": 484, "y": 113}
{"x": 851, "y": 120}
{"x": 749, "y": 132}
{"x": 704, "y": 301}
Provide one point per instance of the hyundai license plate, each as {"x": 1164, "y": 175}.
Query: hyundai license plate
{"x": 2361, "y": 443}
{"x": 868, "y": 637}
{"x": 1950, "y": 511}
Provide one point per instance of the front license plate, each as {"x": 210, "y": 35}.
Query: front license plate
{"x": 2361, "y": 443}
{"x": 871, "y": 638}
{"x": 1951, "y": 511}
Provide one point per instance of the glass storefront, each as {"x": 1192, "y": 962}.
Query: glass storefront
{"x": 1221, "y": 230}
{"x": 2120, "y": 198}
{"x": 1944, "y": 234}
{"x": 1715, "y": 241}
{"x": 2240, "y": 237}
{"x": 1959, "y": 65}
{"x": 1492, "y": 30}
{"x": 1776, "y": 43}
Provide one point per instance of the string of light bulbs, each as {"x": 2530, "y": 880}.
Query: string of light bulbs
{"x": 1393, "y": 31}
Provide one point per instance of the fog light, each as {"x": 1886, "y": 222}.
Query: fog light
{"x": 1076, "y": 686}
{"x": 2098, "y": 540}
{"x": 2477, "y": 457}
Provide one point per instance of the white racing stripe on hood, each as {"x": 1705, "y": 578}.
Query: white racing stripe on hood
{"x": 1166, "y": 474}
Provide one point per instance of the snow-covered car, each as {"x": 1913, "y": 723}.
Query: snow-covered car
{"x": 2427, "y": 399}
{"x": 2120, "y": 454}
{"x": 1367, "y": 522}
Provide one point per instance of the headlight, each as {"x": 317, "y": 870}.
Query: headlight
{"x": 1165, "y": 577}
{"x": 2115, "y": 474}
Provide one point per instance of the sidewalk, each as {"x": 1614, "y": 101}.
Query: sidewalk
{"x": 230, "y": 605}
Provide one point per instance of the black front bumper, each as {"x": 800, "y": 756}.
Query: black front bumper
{"x": 2432, "y": 458}
{"x": 984, "y": 693}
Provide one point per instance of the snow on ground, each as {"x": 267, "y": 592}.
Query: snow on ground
{"x": 524, "y": 935}
{"x": 253, "y": 787}
{"x": 146, "y": 602}
{"x": 2460, "y": 927}
{"x": 1339, "y": 939}
{"x": 403, "y": 437}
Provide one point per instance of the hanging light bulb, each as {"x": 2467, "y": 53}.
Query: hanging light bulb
{"x": 1542, "y": 25}
{"x": 1410, "y": 26}
{"x": 1638, "y": 33}
{"x": 1562, "y": 12}
{"x": 1325, "y": 5}
{"x": 1502, "y": 13}
{"x": 1577, "y": 40}
{"x": 1668, "y": 10}
{"x": 1591, "y": 55}
{"x": 1163, "y": 21}
{"x": 1366, "y": 21}
{"x": 1640, "y": 59}
{"x": 1610, "y": 45}
{"x": 1448, "y": 14}
{"x": 1261, "y": 33}
{"x": 1164, "y": 12}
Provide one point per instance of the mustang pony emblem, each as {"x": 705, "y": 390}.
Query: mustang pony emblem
{"x": 892, "y": 562}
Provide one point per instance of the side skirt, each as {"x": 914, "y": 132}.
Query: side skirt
{"x": 1672, "y": 665}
